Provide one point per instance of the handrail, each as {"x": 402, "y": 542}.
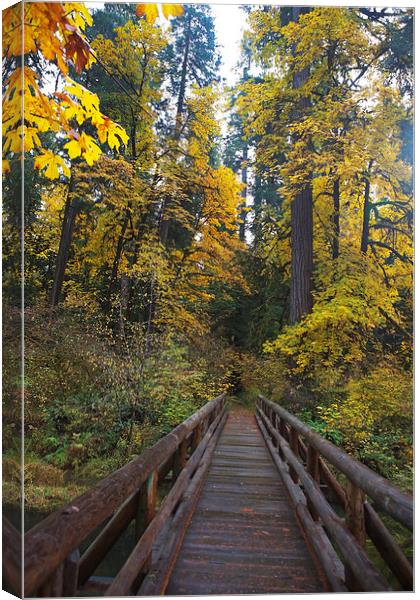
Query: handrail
{"x": 49, "y": 544}
{"x": 386, "y": 496}
{"x": 301, "y": 456}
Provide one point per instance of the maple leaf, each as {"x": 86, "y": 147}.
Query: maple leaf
{"x": 172, "y": 10}
{"x": 111, "y": 131}
{"x": 84, "y": 146}
{"x": 13, "y": 141}
{"x": 89, "y": 100}
{"x": 151, "y": 11}
{"x": 51, "y": 163}
{"x": 77, "y": 50}
{"x": 79, "y": 15}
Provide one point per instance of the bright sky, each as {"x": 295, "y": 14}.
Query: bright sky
{"x": 230, "y": 22}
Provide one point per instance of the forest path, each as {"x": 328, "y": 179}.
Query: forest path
{"x": 243, "y": 537}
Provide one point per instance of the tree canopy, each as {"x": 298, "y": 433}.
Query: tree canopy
{"x": 183, "y": 237}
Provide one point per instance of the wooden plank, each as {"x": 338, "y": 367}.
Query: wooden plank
{"x": 147, "y": 504}
{"x": 71, "y": 574}
{"x": 96, "y": 586}
{"x": 53, "y": 586}
{"x": 355, "y": 514}
{"x": 146, "y": 513}
{"x": 101, "y": 545}
{"x": 180, "y": 460}
{"x": 312, "y": 459}
{"x": 332, "y": 483}
{"x": 294, "y": 446}
{"x": 243, "y": 536}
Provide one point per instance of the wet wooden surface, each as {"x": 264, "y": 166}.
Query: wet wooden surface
{"x": 244, "y": 537}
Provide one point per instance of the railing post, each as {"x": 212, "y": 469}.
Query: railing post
{"x": 355, "y": 521}
{"x": 294, "y": 445}
{"x": 71, "y": 574}
{"x": 180, "y": 460}
{"x": 312, "y": 465}
{"x": 282, "y": 428}
{"x": 198, "y": 431}
{"x": 355, "y": 514}
{"x": 147, "y": 509}
{"x": 276, "y": 427}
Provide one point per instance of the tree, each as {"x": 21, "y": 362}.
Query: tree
{"x": 193, "y": 60}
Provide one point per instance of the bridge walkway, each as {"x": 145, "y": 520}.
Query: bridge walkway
{"x": 244, "y": 537}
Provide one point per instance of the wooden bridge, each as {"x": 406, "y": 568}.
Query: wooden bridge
{"x": 227, "y": 503}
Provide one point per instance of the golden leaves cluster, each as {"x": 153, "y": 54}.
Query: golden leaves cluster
{"x": 51, "y": 34}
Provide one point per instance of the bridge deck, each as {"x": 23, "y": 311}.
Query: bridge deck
{"x": 243, "y": 537}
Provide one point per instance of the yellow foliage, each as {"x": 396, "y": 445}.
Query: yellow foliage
{"x": 151, "y": 11}
{"x": 53, "y": 32}
{"x": 385, "y": 392}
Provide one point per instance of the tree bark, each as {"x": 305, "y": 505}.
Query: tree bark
{"x": 183, "y": 81}
{"x": 117, "y": 257}
{"x": 244, "y": 179}
{"x": 302, "y": 255}
{"x": 67, "y": 227}
{"x": 336, "y": 219}
{"x": 164, "y": 221}
{"x": 301, "y": 221}
{"x": 364, "y": 243}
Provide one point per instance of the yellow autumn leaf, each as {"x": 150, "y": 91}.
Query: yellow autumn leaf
{"x": 79, "y": 14}
{"x": 172, "y": 10}
{"x": 73, "y": 148}
{"x": 52, "y": 163}
{"x": 12, "y": 141}
{"x": 5, "y": 166}
{"x": 106, "y": 129}
{"x": 85, "y": 147}
{"x": 89, "y": 100}
{"x": 151, "y": 11}
{"x": 115, "y": 133}
{"x": 30, "y": 138}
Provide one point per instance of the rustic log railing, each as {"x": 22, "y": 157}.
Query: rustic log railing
{"x": 54, "y": 566}
{"x": 310, "y": 467}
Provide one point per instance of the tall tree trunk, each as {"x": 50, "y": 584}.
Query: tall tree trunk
{"x": 183, "y": 79}
{"x": 244, "y": 179}
{"x": 366, "y": 212}
{"x": 124, "y": 297}
{"x": 301, "y": 222}
{"x": 164, "y": 221}
{"x": 117, "y": 257}
{"x": 336, "y": 219}
{"x": 133, "y": 135}
{"x": 302, "y": 255}
{"x": 67, "y": 227}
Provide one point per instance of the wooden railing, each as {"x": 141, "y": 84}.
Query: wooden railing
{"x": 338, "y": 516}
{"x": 55, "y": 567}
